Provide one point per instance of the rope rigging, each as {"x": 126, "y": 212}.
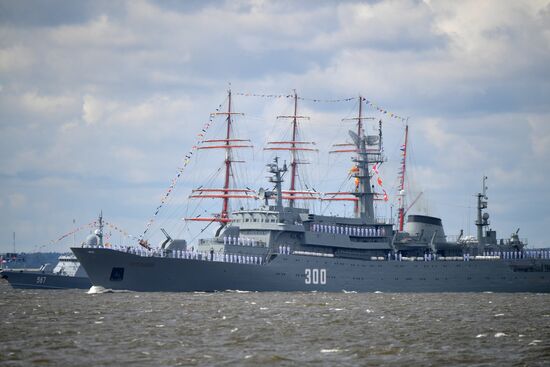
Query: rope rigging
{"x": 301, "y": 181}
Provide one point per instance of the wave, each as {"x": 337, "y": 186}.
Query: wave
{"x": 97, "y": 289}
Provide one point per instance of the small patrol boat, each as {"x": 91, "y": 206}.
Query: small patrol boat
{"x": 66, "y": 274}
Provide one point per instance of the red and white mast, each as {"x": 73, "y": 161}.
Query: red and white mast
{"x": 294, "y": 146}
{"x": 227, "y": 192}
{"x": 401, "y": 217}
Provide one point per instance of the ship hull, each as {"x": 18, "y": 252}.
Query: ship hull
{"x": 125, "y": 271}
{"x": 37, "y": 280}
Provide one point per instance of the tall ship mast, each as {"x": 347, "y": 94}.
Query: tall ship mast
{"x": 228, "y": 144}
{"x": 278, "y": 246}
{"x": 401, "y": 215}
{"x": 294, "y": 146}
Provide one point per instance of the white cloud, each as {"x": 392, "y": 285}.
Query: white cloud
{"x": 46, "y": 105}
{"x": 105, "y": 106}
{"x": 540, "y": 135}
{"x": 100, "y": 32}
{"x": 15, "y": 59}
{"x": 17, "y": 201}
{"x": 93, "y": 109}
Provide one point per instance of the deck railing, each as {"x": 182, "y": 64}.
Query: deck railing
{"x": 286, "y": 250}
{"x": 190, "y": 255}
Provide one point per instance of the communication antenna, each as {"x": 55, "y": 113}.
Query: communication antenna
{"x": 402, "y": 192}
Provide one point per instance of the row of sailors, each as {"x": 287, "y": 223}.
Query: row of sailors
{"x": 219, "y": 257}
{"x": 528, "y": 254}
{"x": 194, "y": 255}
{"x": 197, "y": 255}
{"x": 141, "y": 251}
{"x": 349, "y": 230}
{"x": 514, "y": 255}
{"x": 506, "y": 255}
{"x": 399, "y": 257}
{"x": 285, "y": 250}
{"x": 241, "y": 241}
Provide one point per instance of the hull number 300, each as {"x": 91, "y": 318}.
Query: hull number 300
{"x": 316, "y": 276}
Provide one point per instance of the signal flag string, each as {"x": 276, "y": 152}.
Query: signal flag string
{"x": 379, "y": 181}
{"x": 91, "y": 224}
{"x": 186, "y": 160}
{"x": 120, "y": 230}
{"x": 384, "y": 111}
{"x": 369, "y": 102}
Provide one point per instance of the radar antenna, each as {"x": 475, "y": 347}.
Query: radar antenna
{"x": 277, "y": 179}
{"x": 482, "y": 218}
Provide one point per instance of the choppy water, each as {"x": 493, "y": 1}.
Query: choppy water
{"x": 166, "y": 329}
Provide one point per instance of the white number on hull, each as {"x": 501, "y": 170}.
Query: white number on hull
{"x": 40, "y": 280}
{"x": 316, "y": 276}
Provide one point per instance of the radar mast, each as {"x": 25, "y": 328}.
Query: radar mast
{"x": 368, "y": 150}
{"x": 482, "y": 218}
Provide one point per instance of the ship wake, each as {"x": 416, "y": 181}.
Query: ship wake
{"x": 97, "y": 289}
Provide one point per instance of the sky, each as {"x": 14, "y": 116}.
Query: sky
{"x": 100, "y": 101}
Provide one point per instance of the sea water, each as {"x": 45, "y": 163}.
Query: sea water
{"x": 73, "y": 327}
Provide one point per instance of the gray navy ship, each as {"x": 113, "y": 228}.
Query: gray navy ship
{"x": 66, "y": 274}
{"x": 278, "y": 246}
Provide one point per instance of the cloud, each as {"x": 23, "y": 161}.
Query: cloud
{"x": 101, "y": 100}
{"x": 540, "y": 135}
{"x": 93, "y": 109}
{"x": 15, "y": 59}
{"x": 45, "y": 105}
{"x": 17, "y": 200}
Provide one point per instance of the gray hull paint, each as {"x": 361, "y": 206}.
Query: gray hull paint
{"x": 287, "y": 273}
{"x": 39, "y": 280}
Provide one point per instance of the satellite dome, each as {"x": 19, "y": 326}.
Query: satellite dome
{"x": 92, "y": 240}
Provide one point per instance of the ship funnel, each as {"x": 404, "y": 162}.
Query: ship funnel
{"x": 426, "y": 226}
